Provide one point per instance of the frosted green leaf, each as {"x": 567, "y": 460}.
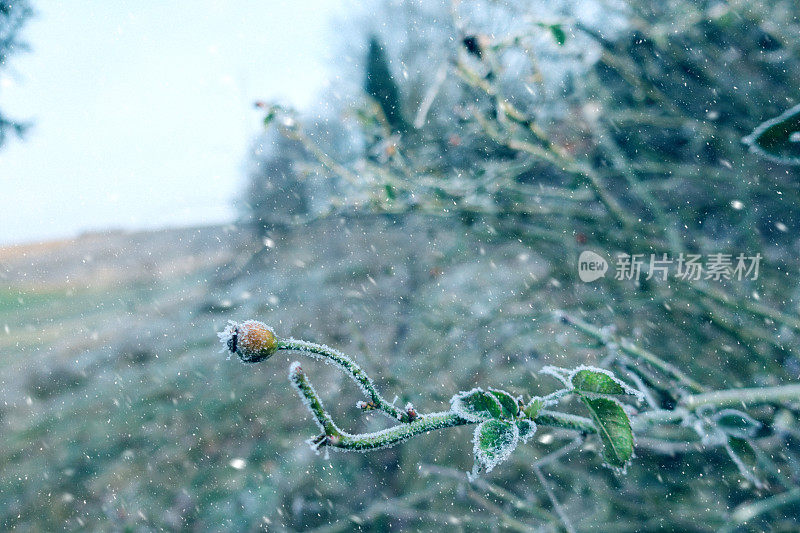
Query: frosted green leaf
{"x": 526, "y": 428}
{"x": 614, "y": 429}
{"x": 598, "y": 381}
{"x": 476, "y": 405}
{"x": 557, "y": 31}
{"x": 736, "y": 423}
{"x": 269, "y": 117}
{"x": 494, "y": 441}
{"x": 509, "y": 404}
{"x": 558, "y": 34}
{"x": 744, "y": 456}
{"x": 778, "y": 139}
{"x": 534, "y": 406}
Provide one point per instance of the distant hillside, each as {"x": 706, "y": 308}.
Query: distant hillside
{"x": 93, "y": 260}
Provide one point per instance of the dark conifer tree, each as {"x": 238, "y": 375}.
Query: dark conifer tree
{"x": 13, "y": 15}
{"x": 380, "y": 85}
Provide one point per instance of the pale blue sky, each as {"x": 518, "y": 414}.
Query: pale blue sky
{"x": 142, "y": 117}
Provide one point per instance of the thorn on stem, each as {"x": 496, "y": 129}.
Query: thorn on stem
{"x": 295, "y": 371}
{"x": 367, "y": 406}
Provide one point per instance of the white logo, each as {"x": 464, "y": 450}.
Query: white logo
{"x": 591, "y": 266}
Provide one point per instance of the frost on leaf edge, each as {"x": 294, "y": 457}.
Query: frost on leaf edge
{"x": 486, "y": 463}
{"x": 566, "y": 376}
{"x": 457, "y": 405}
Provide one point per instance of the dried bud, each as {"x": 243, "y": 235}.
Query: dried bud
{"x": 252, "y": 341}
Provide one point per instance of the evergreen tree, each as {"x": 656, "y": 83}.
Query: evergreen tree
{"x": 13, "y": 15}
{"x": 380, "y": 85}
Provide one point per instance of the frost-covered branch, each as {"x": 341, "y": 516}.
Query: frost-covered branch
{"x": 349, "y": 367}
{"x": 503, "y": 420}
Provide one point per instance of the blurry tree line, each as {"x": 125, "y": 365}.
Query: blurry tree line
{"x": 13, "y": 15}
{"x": 613, "y": 126}
{"x": 610, "y": 124}
{"x": 633, "y": 112}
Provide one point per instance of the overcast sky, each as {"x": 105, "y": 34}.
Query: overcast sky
{"x": 142, "y": 117}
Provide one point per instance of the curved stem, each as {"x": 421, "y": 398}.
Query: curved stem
{"x": 337, "y": 438}
{"x": 349, "y": 367}
{"x": 312, "y": 401}
{"x": 445, "y": 419}
{"x": 394, "y": 435}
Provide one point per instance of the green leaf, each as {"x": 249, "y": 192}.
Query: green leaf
{"x": 744, "y": 456}
{"x": 476, "y": 405}
{"x": 736, "y": 423}
{"x": 381, "y": 85}
{"x": 778, "y": 139}
{"x": 509, "y": 404}
{"x": 269, "y": 117}
{"x": 494, "y": 441}
{"x": 597, "y": 381}
{"x": 526, "y": 428}
{"x": 534, "y": 406}
{"x": 389, "y": 192}
{"x": 558, "y": 33}
{"x": 614, "y": 429}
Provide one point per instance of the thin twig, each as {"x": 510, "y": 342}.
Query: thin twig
{"x": 737, "y": 304}
{"x": 755, "y": 395}
{"x": 430, "y": 96}
{"x": 556, "y": 506}
{"x": 747, "y": 511}
{"x": 629, "y": 348}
